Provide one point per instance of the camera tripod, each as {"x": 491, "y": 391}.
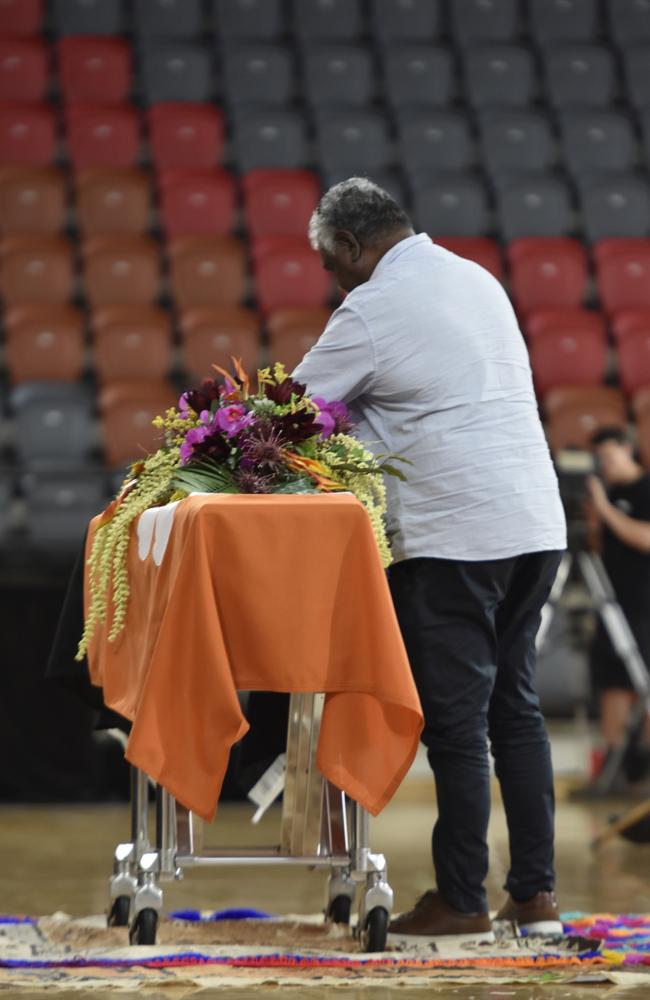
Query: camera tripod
{"x": 606, "y": 606}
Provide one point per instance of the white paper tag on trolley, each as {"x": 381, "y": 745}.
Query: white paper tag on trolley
{"x": 264, "y": 793}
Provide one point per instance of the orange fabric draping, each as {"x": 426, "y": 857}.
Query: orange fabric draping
{"x": 270, "y": 593}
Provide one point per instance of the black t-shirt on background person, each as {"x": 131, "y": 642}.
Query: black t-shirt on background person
{"x": 628, "y": 568}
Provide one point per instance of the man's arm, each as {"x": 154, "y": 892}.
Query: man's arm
{"x": 629, "y": 530}
{"x": 341, "y": 364}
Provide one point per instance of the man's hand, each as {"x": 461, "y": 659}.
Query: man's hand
{"x": 598, "y": 496}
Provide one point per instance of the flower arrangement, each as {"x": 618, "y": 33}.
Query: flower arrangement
{"x": 224, "y": 438}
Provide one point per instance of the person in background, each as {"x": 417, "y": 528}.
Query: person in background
{"x": 427, "y": 352}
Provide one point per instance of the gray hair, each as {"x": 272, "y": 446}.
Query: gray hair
{"x": 359, "y": 206}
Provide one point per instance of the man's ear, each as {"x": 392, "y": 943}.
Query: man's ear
{"x": 349, "y": 243}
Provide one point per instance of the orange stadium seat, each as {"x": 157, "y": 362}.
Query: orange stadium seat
{"x": 32, "y": 199}
{"x": 623, "y": 274}
{"x": 44, "y": 343}
{"x": 634, "y": 361}
{"x": 480, "y": 249}
{"x": 131, "y": 342}
{"x": 643, "y": 438}
{"x": 121, "y": 270}
{"x": 35, "y": 269}
{"x": 279, "y": 202}
{"x": 27, "y": 134}
{"x": 547, "y": 272}
{"x": 94, "y": 69}
{"x": 292, "y": 332}
{"x": 21, "y": 17}
{"x": 641, "y": 403}
{"x": 24, "y": 69}
{"x": 575, "y": 414}
{"x": 185, "y": 135}
{"x": 215, "y": 334}
{"x": 630, "y": 321}
{"x": 113, "y": 200}
{"x": 197, "y": 201}
{"x": 288, "y": 273}
{"x": 126, "y": 413}
{"x": 102, "y": 135}
{"x": 207, "y": 270}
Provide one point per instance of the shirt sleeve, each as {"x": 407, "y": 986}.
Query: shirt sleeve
{"x": 342, "y": 363}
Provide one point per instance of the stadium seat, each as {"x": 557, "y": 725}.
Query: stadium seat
{"x": 261, "y": 20}
{"x": 338, "y": 76}
{"x": 501, "y": 75}
{"x": 44, "y": 342}
{"x": 288, "y": 273}
{"x": 623, "y": 274}
{"x": 547, "y": 273}
{"x": 279, "y": 202}
{"x": 568, "y": 321}
{"x": 352, "y": 141}
{"x": 643, "y": 439}
{"x": 628, "y": 322}
{"x": 453, "y": 205}
{"x": 27, "y": 134}
{"x": 636, "y": 60}
{"x": 258, "y": 74}
{"x": 215, "y": 334}
{"x": 24, "y": 69}
{"x": 196, "y": 201}
{"x": 21, "y": 17}
{"x": 176, "y": 71}
{"x": 185, "y": 135}
{"x": 629, "y": 20}
{"x": 641, "y": 408}
{"x": 168, "y": 18}
{"x": 102, "y": 135}
{"x": 535, "y": 205}
{"x": 480, "y": 249}
{"x": 87, "y": 17}
{"x": 564, "y": 357}
{"x": 563, "y": 20}
{"x": 418, "y": 75}
{"x": 53, "y": 422}
{"x": 574, "y": 414}
{"x": 7, "y": 488}
{"x": 94, "y": 70}
{"x": 579, "y": 75}
{"x": 35, "y": 268}
{"x": 484, "y": 20}
{"x": 207, "y": 270}
{"x": 131, "y": 342}
{"x": 391, "y": 181}
{"x": 120, "y": 270}
{"x": 332, "y": 20}
{"x": 113, "y": 200}
{"x": 127, "y": 410}
{"x": 633, "y": 353}
{"x": 32, "y": 200}
{"x": 434, "y": 141}
{"x": 293, "y": 332}
{"x": 597, "y": 140}
{"x": 395, "y": 21}
{"x": 58, "y": 506}
{"x": 614, "y": 205}
{"x": 270, "y": 139}
{"x": 513, "y": 140}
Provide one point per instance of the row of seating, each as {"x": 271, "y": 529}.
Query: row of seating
{"x": 387, "y": 20}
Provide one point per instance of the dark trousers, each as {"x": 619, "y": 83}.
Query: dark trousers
{"x": 469, "y": 630}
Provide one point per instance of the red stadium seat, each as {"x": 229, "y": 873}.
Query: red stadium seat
{"x": 288, "y": 273}
{"x": 23, "y": 69}
{"x": 279, "y": 202}
{"x": 121, "y": 270}
{"x": 113, "y": 200}
{"x": 566, "y": 321}
{"x": 575, "y": 414}
{"x": 207, "y": 270}
{"x": 630, "y": 321}
{"x": 480, "y": 249}
{"x": 36, "y": 269}
{"x": 568, "y": 358}
{"x": 32, "y": 200}
{"x": 132, "y": 342}
{"x": 94, "y": 70}
{"x": 102, "y": 136}
{"x": 127, "y": 411}
{"x": 27, "y": 134}
{"x": 44, "y": 343}
{"x": 547, "y": 272}
{"x": 197, "y": 201}
{"x": 21, "y": 17}
{"x": 185, "y": 135}
{"x": 215, "y": 334}
{"x": 634, "y": 362}
{"x": 623, "y": 274}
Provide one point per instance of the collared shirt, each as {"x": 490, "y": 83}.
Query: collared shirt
{"x": 429, "y": 356}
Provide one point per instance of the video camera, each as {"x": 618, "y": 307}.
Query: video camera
{"x": 573, "y": 467}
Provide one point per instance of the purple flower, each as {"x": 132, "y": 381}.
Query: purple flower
{"x": 333, "y": 418}
{"x": 230, "y": 420}
{"x": 194, "y": 436}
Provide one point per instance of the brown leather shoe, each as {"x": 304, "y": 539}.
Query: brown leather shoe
{"x": 432, "y": 918}
{"x": 539, "y": 915}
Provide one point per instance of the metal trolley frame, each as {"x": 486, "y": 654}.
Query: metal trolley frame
{"x": 320, "y": 828}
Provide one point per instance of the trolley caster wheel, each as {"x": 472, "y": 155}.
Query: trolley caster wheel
{"x": 375, "y": 930}
{"x": 143, "y": 928}
{"x": 118, "y": 915}
{"x": 338, "y": 910}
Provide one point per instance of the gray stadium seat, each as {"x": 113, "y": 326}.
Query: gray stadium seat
{"x": 87, "y": 17}
{"x": 405, "y": 20}
{"x": 418, "y": 75}
{"x": 327, "y": 19}
{"x": 270, "y": 139}
{"x": 484, "y": 20}
{"x": 53, "y": 422}
{"x": 59, "y": 506}
{"x": 629, "y": 20}
{"x": 338, "y": 75}
{"x": 452, "y": 205}
{"x": 615, "y": 206}
{"x": 389, "y": 180}
{"x": 534, "y": 205}
{"x": 645, "y": 129}
{"x": 259, "y": 20}
{"x": 176, "y": 72}
{"x": 6, "y": 497}
{"x": 434, "y": 141}
{"x": 499, "y": 75}
{"x": 168, "y": 18}
{"x": 637, "y": 75}
{"x": 597, "y": 140}
{"x": 579, "y": 74}
{"x": 516, "y": 140}
{"x": 258, "y": 74}
{"x": 563, "y": 20}
{"x": 353, "y": 142}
